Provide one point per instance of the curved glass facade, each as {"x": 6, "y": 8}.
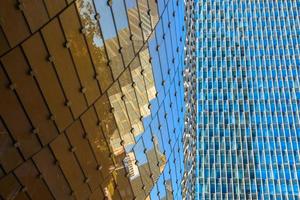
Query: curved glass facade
{"x": 92, "y": 99}
{"x": 248, "y": 99}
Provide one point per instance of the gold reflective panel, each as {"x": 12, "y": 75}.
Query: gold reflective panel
{"x": 91, "y": 28}
{"x": 145, "y": 18}
{"x": 109, "y": 125}
{"x": 153, "y": 12}
{"x": 134, "y": 175}
{"x": 148, "y": 73}
{"x": 121, "y": 22}
{"x": 132, "y": 106}
{"x": 134, "y": 23}
{"x": 121, "y": 117}
{"x": 139, "y": 86}
{"x": 110, "y": 36}
{"x": 89, "y": 133}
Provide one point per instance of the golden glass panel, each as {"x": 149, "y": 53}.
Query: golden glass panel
{"x": 154, "y": 12}
{"x": 62, "y": 61}
{"x": 148, "y": 73}
{"x": 145, "y": 18}
{"x": 35, "y": 13}
{"x": 154, "y": 155}
{"x": 121, "y": 117}
{"x": 120, "y": 18}
{"x": 134, "y": 21}
{"x": 109, "y": 188}
{"x": 97, "y": 141}
{"x": 48, "y": 82}
{"x": 79, "y": 142}
{"x": 80, "y": 53}
{"x": 25, "y": 140}
{"x": 108, "y": 124}
{"x": 4, "y": 46}
{"x": 9, "y": 157}
{"x": 27, "y": 175}
{"x": 97, "y": 194}
{"x": 9, "y": 186}
{"x": 143, "y": 167}
{"x": 123, "y": 184}
{"x": 110, "y": 37}
{"x": 16, "y": 66}
{"x": 52, "y": 174}
{"x": 67, "y": 161}
{"x": 131, "y": 103}
{"x": 140, "y": 88}
{"x": 134, "y": 175}
{"x": 12, "y": 22}
{"x": 94, "y": 40}
{"x": 54, "y": 6}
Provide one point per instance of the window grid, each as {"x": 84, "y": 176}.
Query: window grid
{"x": 248, "y": 99}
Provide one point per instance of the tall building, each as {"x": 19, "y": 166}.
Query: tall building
{"x": 248, "y": 99}
{"x": 190, "y": 99}
{"x": 91, "y": 99}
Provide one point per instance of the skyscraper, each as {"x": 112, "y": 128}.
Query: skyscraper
{"x": 91, "y": 99}
{"x": 190, "y": 99}
{"x": 248, "y": 99}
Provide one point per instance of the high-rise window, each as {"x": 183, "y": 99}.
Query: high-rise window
{"x": 248, "y": 99}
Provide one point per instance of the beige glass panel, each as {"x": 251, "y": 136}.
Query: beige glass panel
{"x": 123, "y": 183}
{"x": 110, "y": 37}
{"x": 134, "y": 23}
{"x": 80, "y": 143}
{"x": 109, "y": 188}
{"x": 18, "y": 70}
{"x": 121, "y": 21}
{"x": 97, "y": 141}
{"x": 148, "y": 73}
{"x": 154, "y": 12}
{"x": 142, "y": 162}
{"x": 145, "y": 18}
{"x": 28, "y": 176}
{"x": 115, "y": 58}
{"x": 134, "y": 175}
{"x": 80, "y": 53}
{"x": 25, "y": 140}
{"x": 54, "y": 6}
{"x": 140, "y": 88}
{"x": 54, "y": 39}
{"x": 9, "y": 156}
{"x": 46, "y": 77}
{"x": 108, "y": 124}
{"x": 153, "y": 153}
{"x": 120, "y": 113}
{"x": 12, "y": 22}
{"x": 35, "y": 13}
{"x": 52, "y": 174}
{"x": 94, "y": 40}
{"x": 131, "y": 102}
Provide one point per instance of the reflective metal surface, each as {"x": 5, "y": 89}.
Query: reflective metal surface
{"x": 91, "y": 100}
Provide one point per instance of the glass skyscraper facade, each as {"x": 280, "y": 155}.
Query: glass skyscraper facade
{"x": 248, "y": 99}
{"x": 91, "y": 99}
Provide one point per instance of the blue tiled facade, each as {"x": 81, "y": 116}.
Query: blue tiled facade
{"x": 248, "y": 99}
